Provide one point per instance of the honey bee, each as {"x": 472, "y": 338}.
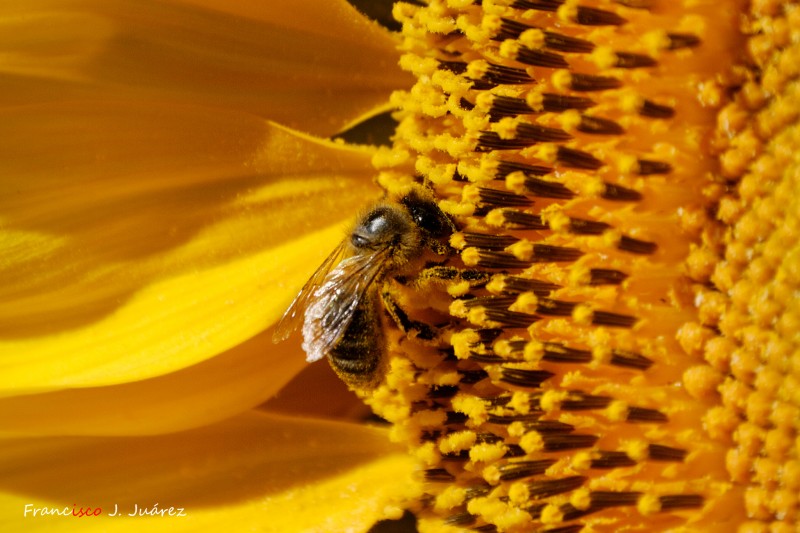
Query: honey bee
{"x": 342, "y": 303}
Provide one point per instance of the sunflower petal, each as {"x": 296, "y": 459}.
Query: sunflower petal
{"x": 311, "y": 65}
{"x": 253, "y": 472}
{"x": 139, "y": 240}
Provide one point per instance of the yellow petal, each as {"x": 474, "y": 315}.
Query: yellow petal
{"x": 205, "y": 393}
{"x": 142, "y": 239}
{"x": 311, "y": 65}
{"x": 254, "y": 472}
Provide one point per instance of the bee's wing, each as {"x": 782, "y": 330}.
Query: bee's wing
{"x": 334, "y": 303}
{"x": 293, "y": 316}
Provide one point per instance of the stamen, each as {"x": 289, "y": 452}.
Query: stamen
{"x": 682, "y": 40}
{"x": 577, "y": 159}
{"x": 654, "y": 110}
{"x": 629, "y": 60}
{"x": 488, "y": 241}
{"x": 540, "y": 58}
{"x": 544, "y": 489}
{"x": 590, "y": 16}
{"x": 648, "y": 167}
{"x": 523, "y": 469}
{"x": 605, "y": 276}
{"x": 617, "y": 193}
{"x": 611, "y": 459}
{"x": 636, "y": 246}
{"x": 590, "y": 83}
{"x": 599, "y": 126}
{"x": 658, "y": 452}
{"x": 525, "y": 378}
{"x": 540, "y": 5}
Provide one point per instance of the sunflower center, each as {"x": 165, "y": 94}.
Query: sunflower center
{"x": 572, "y": 386}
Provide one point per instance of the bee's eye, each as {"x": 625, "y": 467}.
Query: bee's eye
{"x": 359, "y": 241}
{"x": 429, "y": 217}
{"x": 376, "y": 224}
{"x": 372, "y": 229}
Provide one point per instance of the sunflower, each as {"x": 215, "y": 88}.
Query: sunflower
{"x": 623, "y": 356}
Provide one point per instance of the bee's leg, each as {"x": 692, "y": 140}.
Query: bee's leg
{"x": 414, "y": 328}
{"x": 457, "y": 280}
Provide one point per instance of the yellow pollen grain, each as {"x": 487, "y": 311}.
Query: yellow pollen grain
{"x": 569, "y": 120}
{"x": 552, "y": 514}
{"x": 458, "y": 441}
{"x": 519, "y": 493}
{"x": 495, "y": 218}
{"x": 427, "y": 455}
{"x": 648, "y": 505}
{"x": 503, "y": 348}
{"x": 533, "y": 38}
{"x": 654, "y": 41}
{"x": 520, "y": 402}
{"x": 447, "y": 378}
{"x": 568, "y": 11}
{"x": 701, "y": 381}
{"x": 484, "y": 101}
{"x": 388, "y": 158}
{"x": 476, "y": 122}
{"x": 531, "y": 442}
{"x": 491, "y": 474}
{"x": 535, "y": 100}
{"x": 579, "y": 275}
{"x": 477, "y": 69}
{"x": 693, "y": 337}
{"x": 604, "y": 57}
{"x": 497, "y": 284}
{"x": 485, "y": 452}
{"x": 617, "y": 411}
{"x": 509, "y": 49}
{"x": 561, "y": 80}
{"x": 463, "y": 341}
{"x": 546, "y": 152}
{"x": 581, "y": 498}
{"x": 471, "y": 194}
{"x": 486, "y": 507}
{"x": 506, "y": 128}
{"x": 638, "y": 450}
{"x": 458, "y": 241}
{"x": 515, "y": 182}
{"x": 458, "y": 308}
{"x": 522, "y": 249}
{"x": 470, "y": 256}
{"x": 556, "y": 219}
{"x": 551, "y": 400}
{"x": 477, "y": 33}
{"x": 471, "y": 406}
{"x": 478, "y": 317}
{"x": 581, "y": 461}
{"x": 450, "y": 497}
{"x": 516, "y": 429}
{"x": 513, "y": 517}
{"x": 533, "y": 351}
{"x": 458, "y": 289}
{"x": 583, "y": 315}
{"x": 526, "y": 302}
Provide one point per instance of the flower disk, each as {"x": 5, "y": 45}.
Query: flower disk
{"x": 579, "y": 383}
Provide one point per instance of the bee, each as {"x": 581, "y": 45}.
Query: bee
{"x": 342, "y": 300}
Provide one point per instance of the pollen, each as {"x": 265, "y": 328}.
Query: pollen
{"x": 620, "y": 341}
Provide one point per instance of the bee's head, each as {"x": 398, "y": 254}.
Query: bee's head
{"x": 381, "y": 227}
{"x": 427, "y": 216}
